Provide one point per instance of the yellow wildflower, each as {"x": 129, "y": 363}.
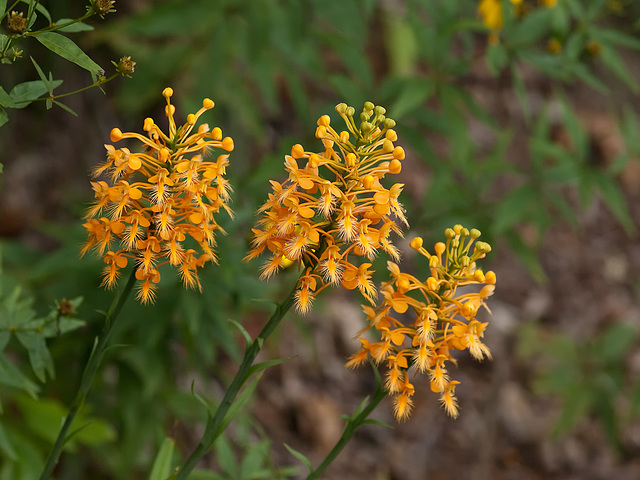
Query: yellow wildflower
{"x": 159, "y": 200}
{"x": 443, "y": 318}
{"x": 333, "y": 206}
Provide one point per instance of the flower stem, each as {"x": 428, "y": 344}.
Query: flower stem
{"x": 353, "y": 423}
{"x": 215, "y": 423}
{"x": 97, "y": 353}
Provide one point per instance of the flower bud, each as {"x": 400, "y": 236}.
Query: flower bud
{"x": 17, "y": 23}
{"x": 125, "y": 66}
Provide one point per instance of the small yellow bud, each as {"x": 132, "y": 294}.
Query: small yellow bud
{"x": 344, "y": 137}
{"x": 350, "y": 160}
{"x": 191, "y": 119}
{"x": 167, "y": 93}
{"x": 387, "y": 146}
{"x": 403, "y": 284}
{"x": 434, "y": 261}
{"x": 490, "y": 277}
{"x": 478, "y": 276}
{"x": 321, "y": 132}
{"x": 367, "y": 181}
{"x": 227, "y": 144}
{"x": 341, "y": 108}
{"x": 457, "y": 228}
{"x": 379, "y": 110}
{"x": 366, "y": 127}
{"x": 324, "y": 120}
{"x": 297, "y": 151}
{"x": 432, "y": 283}
{"x": 389, "y": 123}
{"x": 398, "y": 153}
{"x": 148, "y": 124}
{"x": 350, "y": 112}
{"x": 391, "y": 135}
{"x": 475, "y": 233}
{"x": 368, "y": 106}
{"x": 216, "y": 133}
{"x": 208, "y": 103}
{"x": 395, "y": 167}
{"x": 449, "y": 233}
{"x": 416, "y": 243}
{"x": 170, "y": 110}
{"x": 116, "y": 135}
{"x": 439, "y": 248}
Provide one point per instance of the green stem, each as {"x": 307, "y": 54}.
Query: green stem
{"x": 213, "y": 428}
{"x": 89, "y": 373}
{"x": 353, "y": 423}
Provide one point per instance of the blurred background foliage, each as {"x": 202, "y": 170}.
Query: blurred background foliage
{"x": 495, "y": 139}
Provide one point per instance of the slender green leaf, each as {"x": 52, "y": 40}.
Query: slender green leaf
{"x": 615, "y": 63}
{"x": 74, "y": 27}
{"x": 6, "y": 447}
{"x": 161, "y": 468}
{"x": 243, "y": 331}
{"x": 39, "y": 7}
{"x": 300, "y": 456}
{"x": 4, "y": 118}
{"x": 615, "y": 200}
{"x": 43, "y": 77}
{"x": 264, "y": 365}
{"x": 67, "y": 49}
{"x": 3, "y": 6}
{"x": 5, "y": 99}
{"x": 65, "y": 108}
{"x": 25, "y": 93}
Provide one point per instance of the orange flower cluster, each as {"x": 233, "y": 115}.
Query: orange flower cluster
{"x": 443, "y": 319}
{"x": 332, "y": 207}
{"x": 159, "y": 200}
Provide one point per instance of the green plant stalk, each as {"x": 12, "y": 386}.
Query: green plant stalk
{"x": 353, "y": 423}
{"x": 89, "y": 373}
{"x": 213, "y": 428}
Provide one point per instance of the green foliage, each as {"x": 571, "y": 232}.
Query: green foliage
{"x": 52, "y": 35}
{"x": 591, "y": 377}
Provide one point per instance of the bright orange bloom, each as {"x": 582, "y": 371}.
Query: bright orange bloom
{"x": 333, "y": 208}
{"x": 443, "y": 318}
{"x": 160, "y": 200}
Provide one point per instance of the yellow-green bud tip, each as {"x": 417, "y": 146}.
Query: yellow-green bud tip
{"x": 368, "y": 106}
{"x": 341, "y": 108}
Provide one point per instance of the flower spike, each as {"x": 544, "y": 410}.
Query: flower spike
{"x": 161, "y": 200}
{"x": 444, "y": 318}
{"x": 333, "y": 208}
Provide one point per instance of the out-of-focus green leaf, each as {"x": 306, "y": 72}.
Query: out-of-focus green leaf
{"x": 161, "y": 468}
{"x": 300, "y": 456}
{"x": 615, "y": 63}
{"x": 611, "y": 192}
{"x": 44, "y": 416}
{"x": 11, "y": 376}
{"x": 497, "y": 58}
{"x": 67, "y": 49}
{"x": 39, "y": 355}
{"x": 4, "y": 118}
{"x": 226, "y": 457}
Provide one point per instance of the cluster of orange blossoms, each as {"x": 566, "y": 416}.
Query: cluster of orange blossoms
{"x": 442, "y": 319}
{"x": 161, "y": 201}
{"x": 493, "y": 15}
{"x": 332, "y": 207}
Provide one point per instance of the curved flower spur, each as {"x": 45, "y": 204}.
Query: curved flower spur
{"x": 332, "y": 214}
{"x": 160, "y": 202}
